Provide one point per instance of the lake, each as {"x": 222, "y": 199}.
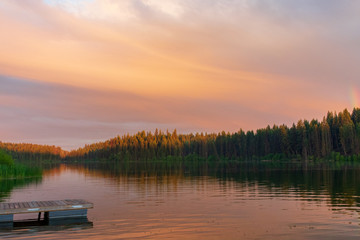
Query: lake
{"x": 252, "y": 201}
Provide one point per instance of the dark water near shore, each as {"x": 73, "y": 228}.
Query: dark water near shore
{"x": 244, "y": 202}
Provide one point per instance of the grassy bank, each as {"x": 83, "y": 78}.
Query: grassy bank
{"x": 10, "y": 170}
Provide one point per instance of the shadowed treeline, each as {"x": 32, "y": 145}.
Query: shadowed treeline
{"x": 336, "y": 137}
{"x": 33, "y": 152}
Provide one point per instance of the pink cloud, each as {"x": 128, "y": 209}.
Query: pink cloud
{"x": 187, "y": 65}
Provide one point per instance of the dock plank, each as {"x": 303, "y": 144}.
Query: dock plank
{"x": 48, "y": 203}
{"x": 60, "y": 203}
{"x": 44, "y": 206}
{"x": 70, "y": 202}
{"x": 35, "y": 204}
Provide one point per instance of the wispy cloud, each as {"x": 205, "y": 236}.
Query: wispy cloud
{"x": 194, "y": 65}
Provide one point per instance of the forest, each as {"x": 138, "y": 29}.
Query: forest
{"x": 33, "y": 152}
{"x": 335, "y": 137}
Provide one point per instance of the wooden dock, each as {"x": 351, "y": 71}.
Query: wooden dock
{"x": 52, "y": 209}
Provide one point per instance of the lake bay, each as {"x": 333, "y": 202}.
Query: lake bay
{"x": 249, "y": 202}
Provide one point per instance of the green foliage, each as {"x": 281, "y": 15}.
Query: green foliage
{"x": 33, "y": 152}
{"x": 8, "y": 168}
{"x": 274, "y": 156}
{"x": 18, "y": 171}
{"x": 336, "y": 137}
{"x": 5, "y": 159}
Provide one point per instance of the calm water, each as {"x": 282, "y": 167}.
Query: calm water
{"x": 251, "y": 203}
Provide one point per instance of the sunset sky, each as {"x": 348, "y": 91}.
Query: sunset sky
{"x": 74, "y": 72}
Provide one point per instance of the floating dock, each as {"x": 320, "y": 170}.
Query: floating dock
{"x": 52, "y": 209}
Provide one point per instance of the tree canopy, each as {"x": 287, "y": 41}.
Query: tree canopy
{"x": 336, "y": 136}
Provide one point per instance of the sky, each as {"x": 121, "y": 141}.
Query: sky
{"x": 74, "y": 72}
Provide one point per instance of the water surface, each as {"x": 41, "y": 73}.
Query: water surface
{"x": 248, "y": 203}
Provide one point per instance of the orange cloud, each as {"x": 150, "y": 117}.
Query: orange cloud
{"x": 214, "y": 66}
{"x": 82, "y": 52}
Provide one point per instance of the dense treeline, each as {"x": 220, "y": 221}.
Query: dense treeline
{"x": 27, "y": 151}
{"x": 337, "y": 136}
